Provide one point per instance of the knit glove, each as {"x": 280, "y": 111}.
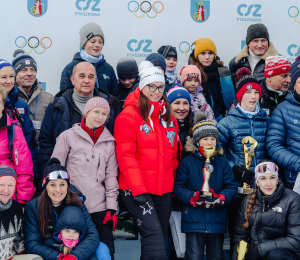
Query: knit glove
{"x": 216, "y": 200}
{"x": 70, "y": 257}
{"x": 195, "y": 199}
{"x": 141, "y": 200}
{"x": 223, "y": 72}
{"x": 111, "y": 215}
{"x": 252, "y": 253}
{"x": 242, "y": 174}
{"x": 60, "y": 256}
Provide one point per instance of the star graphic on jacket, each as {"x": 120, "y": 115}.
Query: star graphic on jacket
{"x": 139, "y": 222}
{"x": 127, "y": 192}
{"x": 147, "y": 208}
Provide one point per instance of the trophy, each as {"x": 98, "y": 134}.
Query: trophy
{"x": 207, "y": 152}
{"x": 249, "y": 147}
{"x": 241, "y": 250}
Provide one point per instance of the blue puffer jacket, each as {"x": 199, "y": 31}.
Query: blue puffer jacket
{"x": 57, "y": 120}
{"x": 33, "y": 241}
{"x": 283, "y": 137}
{"x": 106, "y": 77}
{"x": 12, "y": 101}
{"x": 234, "y": 127}
{"x": 70, "y": 217}
{"x": 189, "y": 179}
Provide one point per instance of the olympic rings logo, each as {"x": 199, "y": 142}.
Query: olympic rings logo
{"x": 185, "y": 49}
{"x": 295, "y": 14}
{"x": 35, "y": 45}
{"x": 147, "y": 10}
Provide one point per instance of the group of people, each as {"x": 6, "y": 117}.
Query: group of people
{"x": 137, "y": 143}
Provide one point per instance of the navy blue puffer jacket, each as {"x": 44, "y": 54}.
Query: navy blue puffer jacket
{"x": 234, "y": 127}
{"x": 283, "y": 141}
{"x": 33, "y": 241}
{"x": 106, "y": 77}
{"x": 189, "y": 179}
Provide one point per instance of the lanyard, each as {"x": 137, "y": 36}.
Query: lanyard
{"x": 37, "y": 101}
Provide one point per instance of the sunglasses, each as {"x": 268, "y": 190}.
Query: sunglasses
{"x": 56, "y": 175}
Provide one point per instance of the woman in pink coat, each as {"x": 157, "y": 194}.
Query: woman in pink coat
{"x": 88, "y": 152}
{"x": 15, "y": 153}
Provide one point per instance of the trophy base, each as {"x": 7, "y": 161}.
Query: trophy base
{"x": 205, "y": 195}
{"x": 242, "y": 190}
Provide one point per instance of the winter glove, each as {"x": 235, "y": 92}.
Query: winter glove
{"x": 60, "y": 256}
{"x": 242, "y": 174}
{"x": 70, "y": 257}
{"x": 195, "y": 198}
{"x": 111, "y": 215}
{"x": 141, "y": 200}
{"x": 223, "y": 72}
{"x": 216, "y": 200}
{"x": 252, "y": 253}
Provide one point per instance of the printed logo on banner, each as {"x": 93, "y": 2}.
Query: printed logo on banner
{"x": 200, "y": 10}
{"x": 294, "y": 12}
{"x": 33, "y": 43}
{"x": 37, "y": 8}
{"x": 185, "y": 48}
{"x": 293, "y": 50}
{"x": 145, "y": 8}
{"x": 43, "y": 85}
{"x": 243, "y": 43}
{"x": 246, "y": 11}
{"x": 135, "y": 46}
{"x": 87, "y": 7}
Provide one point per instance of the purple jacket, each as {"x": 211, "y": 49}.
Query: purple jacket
{"x": 93, "y": 168}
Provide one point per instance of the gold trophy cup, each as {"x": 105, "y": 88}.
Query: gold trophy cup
{"x": 241, "y": 250}
{"x": 207, "y": 152}
{"x": 249, "y": 147}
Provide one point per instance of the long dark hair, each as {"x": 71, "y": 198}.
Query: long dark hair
{"x": 45, "y": 210}
{"x": 144, "y": 108}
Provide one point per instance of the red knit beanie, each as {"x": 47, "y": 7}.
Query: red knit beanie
{"x": 246, "y": 82}
{"x": 276, "y": 65}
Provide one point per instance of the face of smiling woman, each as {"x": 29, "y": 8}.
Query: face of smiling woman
{"x": 57, "y": 190}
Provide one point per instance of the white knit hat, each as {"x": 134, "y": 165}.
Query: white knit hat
{"x": 148, "y": 74}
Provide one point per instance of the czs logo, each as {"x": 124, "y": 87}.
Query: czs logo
{"x": 135, "y": 46}
{"x": 87, "y": 7}
{"x": 294, "y": 12}
{"x": 200, "y": 10}
{"x": 34, "y": 43}
{"x": 37, "y": 8}
{"x": 293, "y": 50}
{"x": 145, "y": 9}
{"x": 245, "y": 10}
{"x": 185, "y": 47}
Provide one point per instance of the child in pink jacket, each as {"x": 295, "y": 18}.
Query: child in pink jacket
{"x": 191, "y": 81}
{"x": 88, "y": 152}
{"x": 14, "y": 152}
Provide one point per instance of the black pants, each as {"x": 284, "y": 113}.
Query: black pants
{"x": 282, "y": 254}
{"x": 195, "y": 243}
{"x": 105, "y": 231}
{"x": 232, "y": 211}
{"x": 152, "y": 222}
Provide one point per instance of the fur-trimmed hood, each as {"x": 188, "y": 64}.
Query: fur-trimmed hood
{"x": 245, "y": 53}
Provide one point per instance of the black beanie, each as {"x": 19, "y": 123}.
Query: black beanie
{"x": 127, "y": 68}
{"x": 255, "y": 31}
{"x": 52, "y": 166}
{"x": 168, "y": 51}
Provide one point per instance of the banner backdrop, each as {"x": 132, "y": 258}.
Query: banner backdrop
{"x": 49, "y": 29}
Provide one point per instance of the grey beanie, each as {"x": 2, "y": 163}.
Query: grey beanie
{"x": 89, "y": 31}
{"x": 22, "y": 60}
{"x": 127, "y": 68}
{"x": 255, "y": 31}
{"x": 203, "y": 128}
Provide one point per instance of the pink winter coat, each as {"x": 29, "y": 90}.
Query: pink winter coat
{"x": 93, "y": 168}
{"x": 21, "y": 160}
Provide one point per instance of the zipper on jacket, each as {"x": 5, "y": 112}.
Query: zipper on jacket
{"x": 263, "y": 204}
{"x": 252, "y": 133}
{"x": 16, "y": 156}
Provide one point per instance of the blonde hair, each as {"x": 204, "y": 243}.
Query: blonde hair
{"x": 67, "y": 250}
{"x": 3, "y": 93}
{"x": 251, "y": 201}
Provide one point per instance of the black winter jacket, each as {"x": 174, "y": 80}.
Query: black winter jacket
{"x": 241, "y": 61}
{"x": 60, "y": 116}
{"x": 274, "y": 221}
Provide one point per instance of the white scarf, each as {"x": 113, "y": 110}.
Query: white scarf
{"x": 87, "y": 57}
{"x": 171, "y": 75}
{"x": 249, "y": 113}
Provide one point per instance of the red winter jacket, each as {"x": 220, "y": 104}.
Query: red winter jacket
{"x": 146, "y": 161}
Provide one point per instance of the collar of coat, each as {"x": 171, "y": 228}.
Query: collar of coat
{"x": 245, "y": 53}
{"x": 272, "y": 198}
{"x": 235, "y": 111}
{"x": 37, "y": 90}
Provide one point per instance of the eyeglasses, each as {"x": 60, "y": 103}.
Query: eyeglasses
{"x": 267, "y": 167}
{"x": 153, "y": 88}
{"x": 56, "y": 175}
